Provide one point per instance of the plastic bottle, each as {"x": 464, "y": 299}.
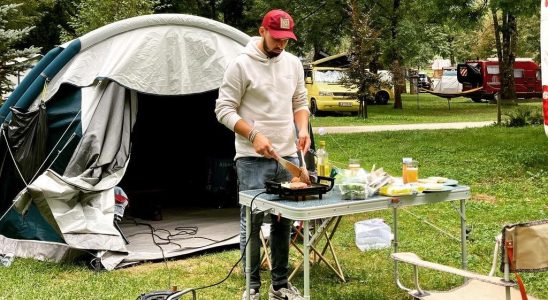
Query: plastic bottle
{"x": 406, "y": 162}
{"x": 322, "y": 166}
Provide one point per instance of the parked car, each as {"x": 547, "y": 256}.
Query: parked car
{"x": 326, "y": 93}
{"x": 424, "y": 82}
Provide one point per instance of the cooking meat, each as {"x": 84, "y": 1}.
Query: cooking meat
{"x": 295, "y": 179}
{"x": 297, "y": 185}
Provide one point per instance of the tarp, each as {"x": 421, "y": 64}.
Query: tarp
{"x": 448, "y": 83}
{"x": 91, "y": 88}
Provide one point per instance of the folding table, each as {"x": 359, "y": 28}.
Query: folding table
{"x": 332, "y": 205}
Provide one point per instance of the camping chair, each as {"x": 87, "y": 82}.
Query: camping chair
{"x": 523, "y": 247}
{"x": 264, "y": 236}
{"x": 320, "y": 229}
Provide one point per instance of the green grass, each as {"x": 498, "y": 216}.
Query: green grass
{"x": 428, "y": 109}
{"x": 506, "y": 168}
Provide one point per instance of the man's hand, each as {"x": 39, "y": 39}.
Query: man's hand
{"x": 262, "y": 146}
{"x": 303, "y": 142}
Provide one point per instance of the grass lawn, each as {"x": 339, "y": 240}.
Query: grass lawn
{"x": 506, "y": 168}
{"x": 428, "y": 109}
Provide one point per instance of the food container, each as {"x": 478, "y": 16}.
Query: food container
{"x": 354, "y": 191}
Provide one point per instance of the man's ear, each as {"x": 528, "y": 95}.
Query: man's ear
{"x": 262, "y": 31}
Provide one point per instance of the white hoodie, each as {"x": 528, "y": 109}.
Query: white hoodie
{"x": 266, "y": 93}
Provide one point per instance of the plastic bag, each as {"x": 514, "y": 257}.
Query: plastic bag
{"x": 28, "y": 133}
{"x": 6, "y": 260}
{"x": 372, "y": 234}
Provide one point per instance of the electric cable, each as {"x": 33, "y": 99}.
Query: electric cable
{"x": 241, "y": 256}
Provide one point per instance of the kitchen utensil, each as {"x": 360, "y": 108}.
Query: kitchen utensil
{"x": 315, "y": 189}
{"x": 305, "y": 177}
{"x": 289, "y": 166}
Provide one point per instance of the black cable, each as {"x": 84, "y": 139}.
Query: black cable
{"x": 241, "y": 256}
{"x": 152, "y": 230}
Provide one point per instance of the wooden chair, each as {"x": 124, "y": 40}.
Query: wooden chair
{"x": 524, "y": 249}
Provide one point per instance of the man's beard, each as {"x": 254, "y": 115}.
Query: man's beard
{"x": 270, "y": 53}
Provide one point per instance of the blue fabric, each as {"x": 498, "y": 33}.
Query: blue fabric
{"x": 252, "y": 174}
{"x": 27, "y": 81}
{"x": 63, "y": 116}
{"x": 31, "y": 226}
{"x": 49, "y": 72}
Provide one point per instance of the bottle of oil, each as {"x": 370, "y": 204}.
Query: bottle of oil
{"x": 322, "y": 166}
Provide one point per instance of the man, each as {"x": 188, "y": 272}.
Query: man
{"x": 262, "y": 99}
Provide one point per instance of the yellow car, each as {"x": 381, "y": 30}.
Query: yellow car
{"x": 326, "y": 93}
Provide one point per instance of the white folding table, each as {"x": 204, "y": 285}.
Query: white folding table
{"x": 332, "y": 205}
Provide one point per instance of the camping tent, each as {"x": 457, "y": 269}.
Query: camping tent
{"x": 70, "y": 126}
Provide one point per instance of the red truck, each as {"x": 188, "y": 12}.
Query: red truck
{"x": 484, "y": 75}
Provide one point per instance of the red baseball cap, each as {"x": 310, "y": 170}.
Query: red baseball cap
{"x": 279, "y": 24}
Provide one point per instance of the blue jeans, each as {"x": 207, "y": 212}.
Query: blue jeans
{"x": 252, "y": 174}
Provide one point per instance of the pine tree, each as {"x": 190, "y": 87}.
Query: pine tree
{"x": 12, "y": 60}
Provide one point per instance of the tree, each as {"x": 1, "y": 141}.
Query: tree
{"x": 321, "y": 26}
{"x": 505, "y": 13}
{"x": 407, "y": 37}
{"x": 53, "y": 18}
{"x": 37, "y": 13}
{"x": 93, "y": 14}
{"x": 12, "y": 60}
{"x": 362, "y": 50}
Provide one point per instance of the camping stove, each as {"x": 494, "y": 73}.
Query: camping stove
{"x": 322, "y": 186}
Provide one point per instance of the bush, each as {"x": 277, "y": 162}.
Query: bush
{"x": 524, "y": 116}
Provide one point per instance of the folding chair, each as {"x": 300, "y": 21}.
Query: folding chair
{"x": 523, "y": 247}
{"x": 322, "y": 229}
{"x": 264, "y": 236}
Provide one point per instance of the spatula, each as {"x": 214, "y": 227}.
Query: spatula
{"x": 289, "y": 166}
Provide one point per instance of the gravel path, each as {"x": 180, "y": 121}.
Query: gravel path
{"x": 397, "y": 127}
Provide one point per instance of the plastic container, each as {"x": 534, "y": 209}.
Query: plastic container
{"x": 353, "y": 191}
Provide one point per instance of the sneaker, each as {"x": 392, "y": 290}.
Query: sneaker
{"x": 289, "y": 293}
{"x": 253, "y": 295}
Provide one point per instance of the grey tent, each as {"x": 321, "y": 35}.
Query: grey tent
{"x": 69, "y": 128}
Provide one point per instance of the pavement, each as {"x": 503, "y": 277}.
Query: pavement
{"x": 398, "y": 127}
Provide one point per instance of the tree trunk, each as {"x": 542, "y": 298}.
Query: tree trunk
{"x": 506, "y": 56}
{"x": 395, "y": 54}
{"x": 451, "y": 39}
{"x": 358, "y": 42}
{"x": 499, "y": 53}
{"x": 508, "y": 91}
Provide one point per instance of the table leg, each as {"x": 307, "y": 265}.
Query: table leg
{"x": 395, "y": 244}
{"x": 464, "y": 253}
{"x": 247, "y": 251}
{"x": 306, "y": 244}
